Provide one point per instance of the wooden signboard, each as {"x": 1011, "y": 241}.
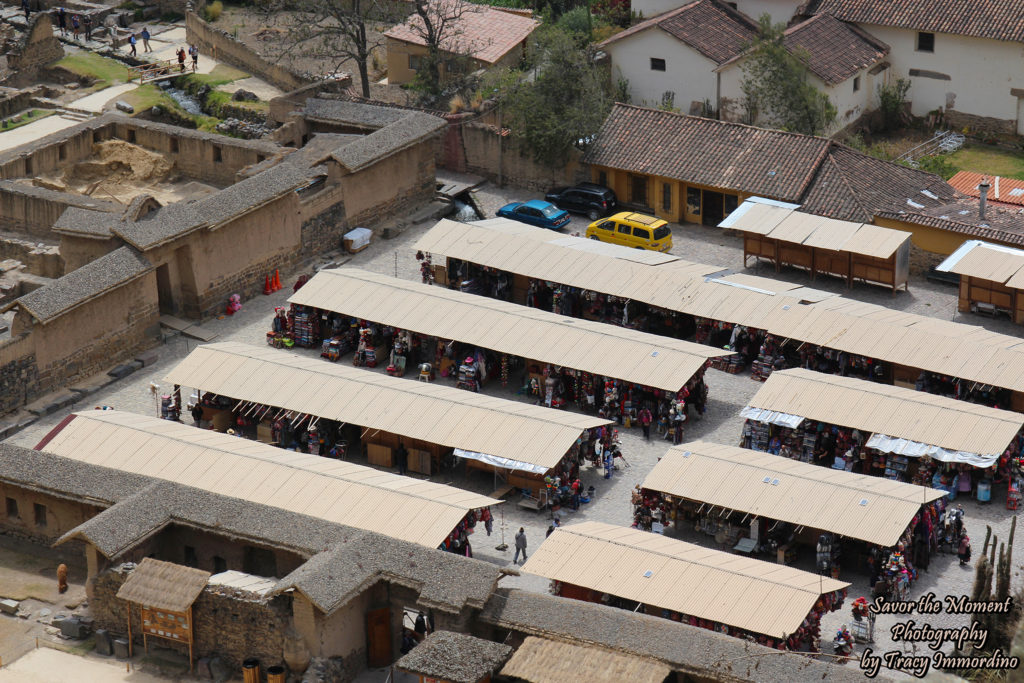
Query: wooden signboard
{"x": 176, "y": 626}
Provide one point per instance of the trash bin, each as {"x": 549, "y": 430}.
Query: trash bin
{"x": 121, "y": 648}
{"x": 251, "y": 670}
{"x": 275, "y": 674}
{"x": 984, "y": 491}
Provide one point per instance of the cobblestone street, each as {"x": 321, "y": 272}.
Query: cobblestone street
{"x": 721, "y": 423}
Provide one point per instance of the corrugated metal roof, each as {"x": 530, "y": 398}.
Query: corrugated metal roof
{"x": 646, "y": 359}
{"x": 806, "y": 495}
{"x": 985, "y": 261}
{"x": 892, "y": 411}
{"x": 345, "y": 493}
{"x": 943, "y": 347}
{"x": 762, "y": 597}
{"x": 429, "y": 412}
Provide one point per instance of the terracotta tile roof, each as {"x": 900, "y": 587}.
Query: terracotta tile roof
{"x": 1001, "y": 223}
{"x": 483, "y": 32}
{"x": 1001, "y": 191}
{"x": 715, "y": 30}
{"x": 996, "y": 19}
{"x": 826, "y": 178}
{"x": 835, "y": 50}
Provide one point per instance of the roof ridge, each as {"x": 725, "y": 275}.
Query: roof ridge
{"x": 868, "y": 215}
{"x": 650, "y": 22}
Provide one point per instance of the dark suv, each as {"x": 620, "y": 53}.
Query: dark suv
{"x": 590, "y": 199}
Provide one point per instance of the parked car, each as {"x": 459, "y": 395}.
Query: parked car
{"x": 535, "y": 212}
{"x": 632, "y": 230}
{"x": 590, "y": 199}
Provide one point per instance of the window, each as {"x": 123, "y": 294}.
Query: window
{"x": 856, "y": 83}
{"x": 131, "y": 136}
{"x": 217, "y": 156}
{"x": 260, "y": 158}
{"x": 607, "y": 225}
{"x": 40, "y": 514}
{"x": 174, "y": 145}
{"x": 190, "y": 557}
{"x": 624, "y": 229}
{"x": 12, "y": 508}
{"x": 925, "y": 42}
{"x": 642, "y": 233}
{"x": 729, "y": 203}
{"x": 662, "y": 232}
{"x": 602, "y": 178}
{"x": 220, "y": 565}
{"x": 693, "y": 200}
{"x": 657, "y": 64}
{"x": 415, "y": 62}
{"x": 666, "y": 196}
{"x": 28, "y": 165}
{"x": 638, "y": 187}
{"x": 62, "y": 153}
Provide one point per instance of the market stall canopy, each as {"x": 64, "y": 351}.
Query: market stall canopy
{"x": 906, "y": 421}
{"x": 539, "y": 660}
{"x": 985, "y": 261}
{"x": 607, "y": 350}
{"x": 788, "y": 311}
{"x": 334, "y": 490}
{"x": 872, "y": 509}
{"x": 784, "y": 223}
{"x": 760, "y": 597}
{"x": 429, "y": 412}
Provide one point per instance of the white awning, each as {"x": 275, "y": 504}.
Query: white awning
{"x": 497, "y": 461}
{"x": 916, "y": 449}
{"x": 772, "y": 417}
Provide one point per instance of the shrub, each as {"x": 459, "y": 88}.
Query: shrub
{"x": 213, "y": 11}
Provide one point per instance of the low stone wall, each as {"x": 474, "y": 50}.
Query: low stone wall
{"x": 232, "y": 625}
{"x": 496, "y": 157}
{"x": 222, "y": 47}
{"x": 19, "y": 374}
{"x": 39, "y": 259}
{"x": 979, "y": 125}
{"x": 17, "y": 101}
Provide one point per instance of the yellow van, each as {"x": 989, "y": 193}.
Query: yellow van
{"x": 632, "y": 230}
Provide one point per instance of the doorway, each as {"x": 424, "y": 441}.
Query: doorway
{"x": 378, "y": 637}
{"x": 164, "y": 292}
{"x": 638, "y": 189}
{"x": 714, "y": 207}
{"x": 1020, "y": 116}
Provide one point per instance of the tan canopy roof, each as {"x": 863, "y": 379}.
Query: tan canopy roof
{"x": 891, "y": 411}
{"x": 761, "y": 597}
{"x": 788, "y": 225}
{"x": 985, "y": 261}
{"x": 539, "y": 660}
{"x": 872, "y": 509}
{"x": 429, "y": 412}
{"x": 334, "y": 490}
{"x": 944, "y": 347}
{"x": 163, "y": 585}
{"x": 646, "y": 359}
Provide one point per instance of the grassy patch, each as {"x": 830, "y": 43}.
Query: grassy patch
{"x": 147, "y": 96}
{"x": 28, "y": 117}
{"x": 221, "y": 75}
{"x": 990, "y": 160}
{"x": 104, "y": 72}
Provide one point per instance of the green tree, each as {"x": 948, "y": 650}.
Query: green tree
{"x": 561, "y": 98}
{"x": 892, "y": 98}
{"x": 776, "y": 87}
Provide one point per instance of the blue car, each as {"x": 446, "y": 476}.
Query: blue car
{"x": 536, "y": 212}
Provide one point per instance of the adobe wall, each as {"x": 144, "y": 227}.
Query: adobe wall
{"x": 42, "y": 260}
{"x": 326, "y": 221}
{"x": 96, "y": 335}
{"x": 170, "y": 547}
{"x": 62, "y": 515}
{"x": 485, "y": 149}
{"x": 228, "y": 623}
{"x": 78, "y": 251}
{"x": 390, "y": 186}
{"x": 32, "y": 210}
{"x": 979, "y": 125}
{"x": 221, "y": 46}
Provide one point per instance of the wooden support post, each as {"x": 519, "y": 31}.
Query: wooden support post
{"x": 129, "y": 609}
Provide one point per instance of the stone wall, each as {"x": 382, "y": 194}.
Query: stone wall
{"x": 391, "y": 186}
{"x": 324, "y": 231}
{"x": 17, "y": 101}
{"x": 39, "y": 259}
{"x": 37, "y": 47}
{"x": 222, "y": 47}
{"x": 33, "y": 210}
{"x": 497, "y": 157}
{"x": 19, "y": 374}
{"x": 227, "y": 623}
{"x": 979, "y": 125}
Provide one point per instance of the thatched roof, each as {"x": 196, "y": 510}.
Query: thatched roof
{"x": 454, "y": 657}
{"x": 539, "y": 660}
{"x": 163, "y": 585}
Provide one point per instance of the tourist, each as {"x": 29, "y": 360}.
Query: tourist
{"x": 964, "y": 551}
{"x": 193, "y": 52}
{"x": 145, "y": 39}
{"x": 554, "y": 525}
{"x": 401, "y": 457}
{"x": 87, "y": 24}
{"x": 488, "y": 520}
{"x": 197, "y": 414}
{"x": 646, "y": 418}
{"x": 74, "y": 26}
{"x": 132, "y": 42}
{"x": 25, "y": 8}
{"x": 520, "y": 545}
{"x": 62, "y": 21}
{"x": 181, "y": 59}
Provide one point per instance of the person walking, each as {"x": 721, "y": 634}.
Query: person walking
{"x": 132, "y": 42}
{"x": 181, "y": 59}
{"x": 401, "y": 457}
{"x": 487, "y": 519}
{"x": 193, "y": 52}
{"x": 645, "y": 417}
{"x": 62, "y": 21}
{"x": 87, "y": 24}
{"x": 74, "y": 26}
{"x": 145, "y": 39}
{"x": 520, "y": 545}
{"x": 25, "y": 8}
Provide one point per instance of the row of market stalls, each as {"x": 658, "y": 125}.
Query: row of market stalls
{"x": 422, "y": 512}
{"x": 775, "y": 605}
{"x": 767, "y": 324}
{"x": 900, "y": 434}
{"x": 305, "y": 404}
{"x": 778, "y": 233}
{"x": 991, "y": 278}
{"x": 613, "y": 371}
